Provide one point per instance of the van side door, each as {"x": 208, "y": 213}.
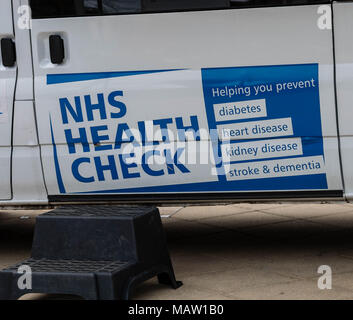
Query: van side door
{"x": 187, "y": 99}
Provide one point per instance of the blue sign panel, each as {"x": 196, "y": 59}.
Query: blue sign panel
{"x": 268, "y": 126}
{"x": 263, "y": 124}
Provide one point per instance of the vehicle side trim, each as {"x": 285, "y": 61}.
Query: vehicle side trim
{"x": 199, "y": 197}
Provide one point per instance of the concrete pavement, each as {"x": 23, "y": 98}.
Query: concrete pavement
{"x": 242, "y": 251}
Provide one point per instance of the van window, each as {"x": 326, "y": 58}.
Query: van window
{"x": 72, "y": 8}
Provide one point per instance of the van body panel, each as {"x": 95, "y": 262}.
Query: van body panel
{"x": 7, "y": 90}
{"x": 174, "y": 71}
{"x": 343, "y": 26}
{"x": 27, "y": 174}
{"x": 24, "y": 85}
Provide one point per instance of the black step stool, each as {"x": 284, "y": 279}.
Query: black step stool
{"x": 95, "y": 252}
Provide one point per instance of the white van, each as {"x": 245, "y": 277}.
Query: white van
{"x": 169, "y": 101}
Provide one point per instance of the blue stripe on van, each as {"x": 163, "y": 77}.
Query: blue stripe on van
{"x": 56, "y": 161}
{"x": 76, "y": 77}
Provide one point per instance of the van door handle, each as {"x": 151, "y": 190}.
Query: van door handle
{"x": 57, "y": 51}
{"x": 8, "y": 52}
